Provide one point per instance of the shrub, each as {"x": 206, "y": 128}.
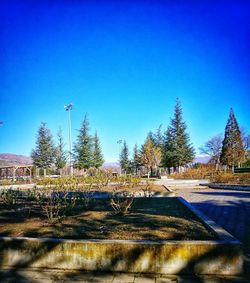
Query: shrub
{"x": 121, "y": 206}
{"x": 147, "y": 189}
{"x": 225, "y": 177}
{"x": 10, "y": 197}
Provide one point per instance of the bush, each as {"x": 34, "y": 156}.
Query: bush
{"x": 195, "y": 173}
{"x": 223, "y": 177}
{"x": 121, "y": 205}
{"x": 10, "y": 197}
{"x": 213, "y": 175}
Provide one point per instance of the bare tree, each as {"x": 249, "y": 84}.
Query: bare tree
{"x": 213, "y": 148}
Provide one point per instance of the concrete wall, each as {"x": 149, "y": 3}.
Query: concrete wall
{"x": 171, "y": 257}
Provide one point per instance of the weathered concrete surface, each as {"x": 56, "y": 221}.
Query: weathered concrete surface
{"x": 172, "y": 257}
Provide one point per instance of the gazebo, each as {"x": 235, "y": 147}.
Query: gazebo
{"x": 14, "y": 171}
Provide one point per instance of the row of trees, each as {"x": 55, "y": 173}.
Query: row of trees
{"x": 86, "y": 151}
{"x": 233, "y": 149}
{"x": 167, "y": 149}
{"x": 171, "y": 148}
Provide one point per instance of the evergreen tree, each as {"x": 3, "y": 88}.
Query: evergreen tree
{"x": 178, "y": 149}
{"x": 97, "y": 157}
{"x": 124, "y": 158}
{"x": 158, "y": 137}
{"x": 232, "y": 146}
{"x": 168, "y": 149}
{"x": 44, "y": 154}
{"x": 83, "y": 147}
{"x": 136, "y": 159}
{"x": 60, "y": 154}
{"x": 151, "y": 154}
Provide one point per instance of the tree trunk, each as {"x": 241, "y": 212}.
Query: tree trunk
{"x": 151, "y": 171}
{"x": 217, "y": 166}
{"x": 44, "y": 172}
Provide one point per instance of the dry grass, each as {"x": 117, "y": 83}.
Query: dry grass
{"x": 150, "y": 219}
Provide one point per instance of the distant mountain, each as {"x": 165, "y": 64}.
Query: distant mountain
{"x": 201, "y": 159}
{"x": 9, "y": 159}
{"x": 111, "y": 165}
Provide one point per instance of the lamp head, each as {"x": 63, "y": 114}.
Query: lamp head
{"x": 68, "y": 107}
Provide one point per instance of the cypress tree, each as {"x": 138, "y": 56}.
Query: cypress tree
{"x": 83, "y": 147}
{"x": 232, "y": 147}
{"x": 124, "y": 158}
{"x": 44, "y": 154}
{"x": 179, "y": 150}
{"x": 136, "y": 159}
{"x": 168, "y": 149}
{"x": 97, "y": 157}
{"x": 158, "y": 137}
{"x": 60, "y": 154}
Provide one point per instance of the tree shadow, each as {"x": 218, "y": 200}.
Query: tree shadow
{"x": 39, "y": 250}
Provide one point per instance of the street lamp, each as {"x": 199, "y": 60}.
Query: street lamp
{"x": 68, "y": 108}
{"x": 120, "y": 142}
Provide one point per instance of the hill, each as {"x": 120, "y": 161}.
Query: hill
{"x": 9, "y": 159}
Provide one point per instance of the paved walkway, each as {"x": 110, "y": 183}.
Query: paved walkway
{"x": 229, "y": 209}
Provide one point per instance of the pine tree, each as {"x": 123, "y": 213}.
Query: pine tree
{"x": 44, "y": 154}
{"x": 60, "y": 154}
{"x": 168, "y": 149}
{"x": 232, "y": 146}
{"x": 136, "y": 162}
{"x": 97, "y": 157}
{"x": 83, "y": 147}
{"x": 151, "y": 154}
{"x": 124, "y": 158}
{"x": 158, "y": 137}
{"x": 178, "y": 149}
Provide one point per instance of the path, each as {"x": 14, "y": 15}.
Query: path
{"x": 230, "y": 209}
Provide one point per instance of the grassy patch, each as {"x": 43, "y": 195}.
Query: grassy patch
{"x": 150, "y": 219}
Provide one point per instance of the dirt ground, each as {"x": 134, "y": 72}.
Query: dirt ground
{"x": 149, "y": 219}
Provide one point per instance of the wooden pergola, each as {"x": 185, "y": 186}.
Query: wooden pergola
{"x": 13, "y": 171}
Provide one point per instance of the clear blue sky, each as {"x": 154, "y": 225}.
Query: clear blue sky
{"x": 124, "y": 64}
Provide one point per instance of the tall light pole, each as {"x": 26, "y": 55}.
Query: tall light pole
{"x": 68, "y": 108}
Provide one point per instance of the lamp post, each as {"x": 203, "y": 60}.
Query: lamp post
{"x": 68, "y": 108}
{"x": 120, "y": 142}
